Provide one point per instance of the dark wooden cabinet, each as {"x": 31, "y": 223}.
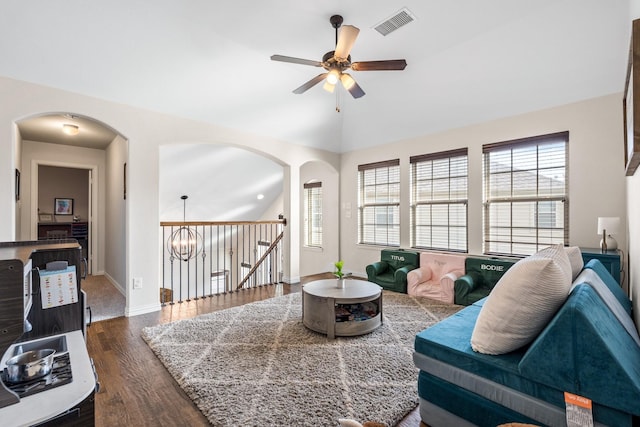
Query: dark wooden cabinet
{"x": 64, "y": 230}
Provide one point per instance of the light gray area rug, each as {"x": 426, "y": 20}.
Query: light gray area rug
{"x": 257, "y": 364}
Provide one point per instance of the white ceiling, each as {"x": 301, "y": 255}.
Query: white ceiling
{"x": 469, "y": 61}
{"x": 48, "y": 128}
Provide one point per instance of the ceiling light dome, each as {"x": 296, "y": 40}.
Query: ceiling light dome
{"x": 70, "y": 129}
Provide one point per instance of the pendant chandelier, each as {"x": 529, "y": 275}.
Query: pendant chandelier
{"x": 184, "y": 243}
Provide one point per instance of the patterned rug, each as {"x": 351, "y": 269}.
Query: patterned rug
{"x": 257, "y": 364}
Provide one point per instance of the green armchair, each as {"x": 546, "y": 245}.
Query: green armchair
{"x": 391, "y": 271}
{"x": 481, "y": 275}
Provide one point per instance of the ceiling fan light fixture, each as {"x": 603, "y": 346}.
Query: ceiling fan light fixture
{"x": 333, "y": 77}
{"x": 328, "y": 87}
{"x": 70, "y": 129}
{"x": 347, "y": 81}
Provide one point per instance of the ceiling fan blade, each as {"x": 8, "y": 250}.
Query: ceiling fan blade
{"x": 293, "y": 60}
{"x": 392, "y": 64}
{"x": 346, "y": 39}
{"x": 311, "y": 83}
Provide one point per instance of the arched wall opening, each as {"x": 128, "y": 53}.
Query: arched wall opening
{"x": 98, "y": 149}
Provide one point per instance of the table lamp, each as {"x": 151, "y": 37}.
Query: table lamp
{"x": 606, "y": 227}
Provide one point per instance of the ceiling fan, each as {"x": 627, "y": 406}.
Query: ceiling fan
{"x": 337, "y": 61}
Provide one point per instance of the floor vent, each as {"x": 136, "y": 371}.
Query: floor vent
{"x": 399, "y": 19}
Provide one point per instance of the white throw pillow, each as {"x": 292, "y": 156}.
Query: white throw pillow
{"x": 523, "y": 301}
{"x": 575, "y": 259}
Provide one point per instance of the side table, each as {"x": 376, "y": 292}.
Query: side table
{"x": 355, "y": 309}
{"x": 610, "y": 259}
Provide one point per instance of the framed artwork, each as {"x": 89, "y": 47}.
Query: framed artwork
{"x": 45, "y": 217}
{"x": 63, "y": 206}
{"x": 17, "y": 185}
{"x": 124, "y": 180}
{"x": 630, "y": 107}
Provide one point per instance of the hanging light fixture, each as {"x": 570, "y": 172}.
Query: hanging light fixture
{"x": 70, "y": 129}
{"x": 184, "y": 243}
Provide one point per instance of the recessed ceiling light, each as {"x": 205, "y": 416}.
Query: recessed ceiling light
{"x": 260, "y": 196}
{"x": 70, "y": 129}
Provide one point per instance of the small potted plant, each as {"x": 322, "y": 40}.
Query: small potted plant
{"x": 339, "y": 274}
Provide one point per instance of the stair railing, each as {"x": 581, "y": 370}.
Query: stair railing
{"x": 201, "y": 259}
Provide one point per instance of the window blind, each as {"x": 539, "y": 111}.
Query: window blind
{"x": 313, "y": 214}
{"x": 439, "y": 200}
{"x": 525, "y": 191}
{"x": 379, "y": 203}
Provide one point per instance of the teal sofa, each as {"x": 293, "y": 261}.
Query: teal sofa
{"x": 589, "y": 348}
{"x": 391, "y": 271}
{"x": 481, "y": 275}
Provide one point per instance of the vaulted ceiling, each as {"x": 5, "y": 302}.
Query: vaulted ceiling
{"x": 468, "y": 61}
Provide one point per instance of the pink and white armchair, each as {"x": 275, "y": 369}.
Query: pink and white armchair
{"x": 436, "y": 276}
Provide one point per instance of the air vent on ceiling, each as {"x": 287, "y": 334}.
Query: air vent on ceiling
{"x": 399, "y": 19}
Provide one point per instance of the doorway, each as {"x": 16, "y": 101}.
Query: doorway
{"x": 92, "y": 159}
{"x": 71, "y": 186}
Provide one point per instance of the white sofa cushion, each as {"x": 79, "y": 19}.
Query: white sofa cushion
{"x": 523, "y": 301}
{"x": 575, "y": 259}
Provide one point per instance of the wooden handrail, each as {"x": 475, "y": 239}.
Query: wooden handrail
{"x": 214, "y": 223}
{"x": 262, "y": 258}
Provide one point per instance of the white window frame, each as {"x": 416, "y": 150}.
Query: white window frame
{"x": 522, "y": 219}
{"x": 439, "y": 196}
{"x": 313, "y": 214}
{"x": 379, "y": 203}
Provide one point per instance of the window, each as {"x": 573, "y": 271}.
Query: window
{"x": 379, "y": 203}
{"x": 525, "y": 191}
{"x": 313, "y": 214}
{"x": 439, "y": 200}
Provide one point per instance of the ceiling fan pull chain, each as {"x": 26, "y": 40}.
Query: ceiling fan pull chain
{"x": 337, "y": 101}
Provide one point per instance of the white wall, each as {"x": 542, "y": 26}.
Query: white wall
{"x": 115, "y": 214}
{"x": 317, "y": 260}
{"x": 596, "y": 178}
{"x": 146, "y": 131}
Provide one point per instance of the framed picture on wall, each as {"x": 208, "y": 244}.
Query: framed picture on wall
{"x": 631, "y": 105}
{"x": 63, "y": 206}
{"x": 17, "y": 189}
{"x": 45, "y": 217}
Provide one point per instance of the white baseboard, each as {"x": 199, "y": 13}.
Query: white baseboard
{"x": 291, "y": 280}
{"x": 142, "y": 310}
{"x": 360, "y": 274}
{"x": 117, "y": 285}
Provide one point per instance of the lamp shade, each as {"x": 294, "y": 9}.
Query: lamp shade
{"x": 333, "y": 76}
{"x": 347, "y": 81}
{"x": 328, "y": 87}
{"x": 609, "y": 224}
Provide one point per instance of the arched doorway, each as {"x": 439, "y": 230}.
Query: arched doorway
{"x": 95, "y": 149}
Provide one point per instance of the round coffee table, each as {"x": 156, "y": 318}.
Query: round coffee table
{"x": 355, "y": 309}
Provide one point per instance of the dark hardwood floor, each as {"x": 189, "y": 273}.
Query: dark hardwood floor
{"x": 136, "y": 389}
